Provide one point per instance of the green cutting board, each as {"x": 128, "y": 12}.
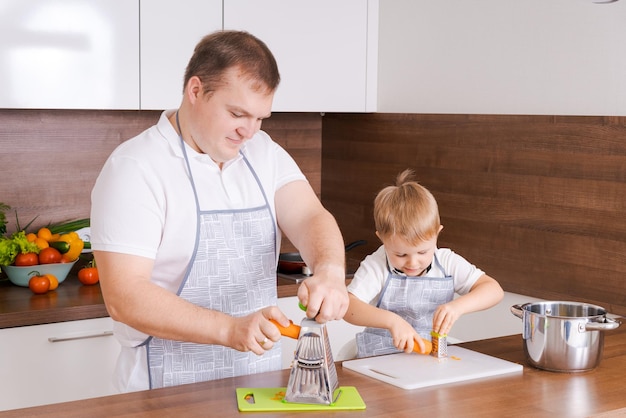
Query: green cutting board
{"x": 272, "y": 399}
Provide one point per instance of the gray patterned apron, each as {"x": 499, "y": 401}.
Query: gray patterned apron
{"x": 232, "y": 270}
{"x": 415, "y": 300}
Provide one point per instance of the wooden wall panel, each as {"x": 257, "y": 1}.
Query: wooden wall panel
{"x": 301, "y": 135}
{"x": 538, "y": 202}
{"x": 49, "y": 159}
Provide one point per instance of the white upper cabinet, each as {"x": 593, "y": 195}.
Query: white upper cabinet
{"x": 132, "y": 54}
{"x": 558, "y": 57}
{"x": 326, "y": 50}
{"x": 169, "y": 32}
{"x": 69, "y": 54}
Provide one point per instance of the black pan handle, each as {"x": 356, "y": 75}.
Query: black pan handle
{"x": 296, "y": 257}
{"x": 355, "y": 244}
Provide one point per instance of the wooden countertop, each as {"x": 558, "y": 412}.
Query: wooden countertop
{"x": 534, "y": 392}
{"x": 69, "y": 302}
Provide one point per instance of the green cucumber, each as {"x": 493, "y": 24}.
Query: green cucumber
{"x": 62, "y": 246}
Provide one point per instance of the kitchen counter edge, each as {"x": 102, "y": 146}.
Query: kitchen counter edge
{"x": 71, "y": 302}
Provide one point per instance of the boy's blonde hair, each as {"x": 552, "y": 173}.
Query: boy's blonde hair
{"x": 407, "y": 210}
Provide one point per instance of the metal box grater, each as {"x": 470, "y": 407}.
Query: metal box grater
{"x": 440, "y": 345}
{"x": 313, "y": 377}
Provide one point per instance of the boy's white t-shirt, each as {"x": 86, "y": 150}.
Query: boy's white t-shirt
{"x": 370, "y": 277}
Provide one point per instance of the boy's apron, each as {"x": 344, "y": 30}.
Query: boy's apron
{"x": 412, "y": 298}
{"x": 232, "y": 270}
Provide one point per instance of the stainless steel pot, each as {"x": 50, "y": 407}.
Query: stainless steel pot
{"x": 563, "y": 336}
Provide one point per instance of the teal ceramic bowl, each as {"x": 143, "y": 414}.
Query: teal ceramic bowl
{"x": 21, "y": 275}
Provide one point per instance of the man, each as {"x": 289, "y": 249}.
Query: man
{"x": 186, "y": 225}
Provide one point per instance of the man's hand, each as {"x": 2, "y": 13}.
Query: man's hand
{"x": 325, "y": 296}
{"x": 255, "y": 332}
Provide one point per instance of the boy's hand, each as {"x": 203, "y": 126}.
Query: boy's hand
{"x": 404, "y": 336}
{"x": 445, "y": 316}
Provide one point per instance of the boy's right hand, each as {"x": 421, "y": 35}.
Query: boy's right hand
{"x": 405, "y": 338}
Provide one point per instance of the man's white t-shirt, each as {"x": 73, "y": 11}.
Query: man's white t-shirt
{"x": 143, "y": 204}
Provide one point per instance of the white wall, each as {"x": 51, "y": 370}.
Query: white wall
{"x": 502, "y": 56}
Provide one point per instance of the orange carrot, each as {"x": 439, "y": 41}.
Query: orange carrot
{"x": 292, "y": 331}
{"x": 428, "y": 347}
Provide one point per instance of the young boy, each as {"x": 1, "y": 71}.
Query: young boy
{"x": 405, "y": 289}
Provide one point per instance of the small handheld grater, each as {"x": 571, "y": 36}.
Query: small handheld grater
{"x": 313, "y": 377}
{"x": 440, "y": 344}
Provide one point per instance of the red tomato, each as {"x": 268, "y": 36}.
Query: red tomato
{"x": 88, "y": 275}
{"x": 49, "y": 255}
{"x": 26, "y": 259}
{"x": 39, "y": 284}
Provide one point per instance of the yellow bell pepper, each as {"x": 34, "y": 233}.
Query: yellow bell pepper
{"x": 75, "y": 243}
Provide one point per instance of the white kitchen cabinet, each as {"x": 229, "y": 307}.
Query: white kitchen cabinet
{"x": 326, "y": 50}
{"x": 494, "y": 322}
{"x": 66, "y": 361}
{"x": 69, "y": 54}
{"x": 559, "y": 57}
{"x": 168, "y": 35}
{"x": 132, "y": 54}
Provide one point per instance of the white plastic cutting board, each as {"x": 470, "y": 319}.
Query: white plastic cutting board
{"x": 412, "y": 371}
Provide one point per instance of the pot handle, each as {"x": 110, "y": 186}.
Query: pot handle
{"x": 517, "y": 311}
{"x": 606, "y": 325}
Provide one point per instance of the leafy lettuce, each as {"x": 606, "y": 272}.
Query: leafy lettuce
{"x": 11, "y": 247}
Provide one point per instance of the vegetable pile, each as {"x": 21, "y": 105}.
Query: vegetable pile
{"x": 43, "y": 247}
{"x": 52, "y": 248}
{"x": 10, "y": 248}
{"x": 55, "y": 243}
